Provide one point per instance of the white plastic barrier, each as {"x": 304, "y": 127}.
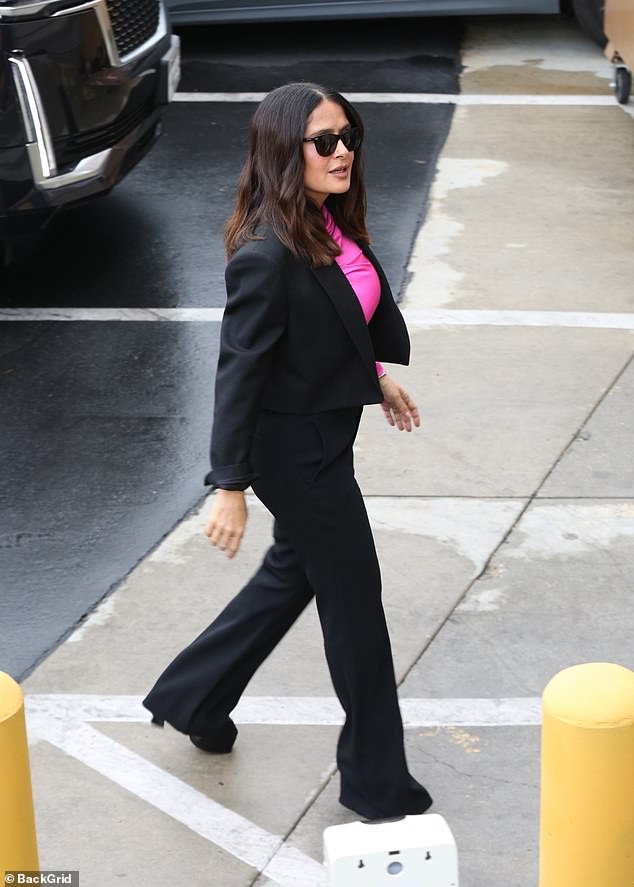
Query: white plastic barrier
{"x": 407, "y": 852}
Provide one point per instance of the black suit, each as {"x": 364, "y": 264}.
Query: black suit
{"x": 294, "y": 340}
{"x": 297, "y": 362}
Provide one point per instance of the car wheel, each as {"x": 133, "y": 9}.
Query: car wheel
{"x": 622, "y": 85}
{"x": 589, "y": 15}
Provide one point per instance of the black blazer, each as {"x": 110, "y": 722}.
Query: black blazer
{"x": 293, "y": 340}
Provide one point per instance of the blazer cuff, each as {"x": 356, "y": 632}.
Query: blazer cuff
{"x": 231, "y": 477}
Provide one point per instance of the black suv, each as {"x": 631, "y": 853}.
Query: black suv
{"x": 81, "y": 90}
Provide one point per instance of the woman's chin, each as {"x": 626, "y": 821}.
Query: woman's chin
{"x": 340, "y": 187}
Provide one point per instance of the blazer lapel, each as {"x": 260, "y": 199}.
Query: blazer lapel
{"x": 347, "y": 305}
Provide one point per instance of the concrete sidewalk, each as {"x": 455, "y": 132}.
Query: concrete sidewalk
{"x": 505, "y": 529}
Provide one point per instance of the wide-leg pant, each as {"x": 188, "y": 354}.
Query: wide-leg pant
{"x": 323, "y": 546}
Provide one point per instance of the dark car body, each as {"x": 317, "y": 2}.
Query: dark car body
{"x": 82, "y": 86}
{"x": 188, "y": 12}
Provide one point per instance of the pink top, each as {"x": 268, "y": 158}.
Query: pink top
{"x": 359, "y": 270}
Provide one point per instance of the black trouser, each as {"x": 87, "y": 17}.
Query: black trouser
{"x": 323, "y": 546}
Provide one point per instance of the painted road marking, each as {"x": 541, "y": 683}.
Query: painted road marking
{"x": 318, "y": 711}
{"x": 98, "y": 315}
{"x": 432, "y": 317}
{"x": 63, "y": 721}
{"x": 420, "y": 318}
{"x": 226, "y": 829}
{"x": 422, "y": 98}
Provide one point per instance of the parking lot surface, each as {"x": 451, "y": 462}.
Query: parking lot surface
{"x": 505, "y": 527}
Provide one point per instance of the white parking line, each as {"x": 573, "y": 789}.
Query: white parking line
{"x": 421, "y": 98}
{"x": 226, "y": 829}
{"x": 419, "y": 318}
{"x": 138, "y": 315}
{"x": 63, "y": 721}
{"x": 431, "y": 317}
{"x": 319, "y": 711}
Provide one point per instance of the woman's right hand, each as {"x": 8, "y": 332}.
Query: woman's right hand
{"x": 228, "y": 518}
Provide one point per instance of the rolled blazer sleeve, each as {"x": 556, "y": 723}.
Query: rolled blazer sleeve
{"x": 253, "y": 322}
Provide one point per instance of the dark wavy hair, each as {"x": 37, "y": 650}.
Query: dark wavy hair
{"x": 271, "y": 186}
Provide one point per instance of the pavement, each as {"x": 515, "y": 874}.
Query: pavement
{"x": 505, "y": 528}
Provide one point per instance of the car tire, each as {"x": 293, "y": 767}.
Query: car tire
{"x": 622, "y": 84}
{"x": 589, "y": 15}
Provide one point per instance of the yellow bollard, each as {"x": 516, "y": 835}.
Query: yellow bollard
{"x": 18, "y": 846}
{"x": 587, "y": 781}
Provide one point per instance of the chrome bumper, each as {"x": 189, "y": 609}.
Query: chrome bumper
{"x": 39, "y": 143}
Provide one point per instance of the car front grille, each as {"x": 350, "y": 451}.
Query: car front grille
{"x": 133, "y": 22}
{"x": 71, "y": 149}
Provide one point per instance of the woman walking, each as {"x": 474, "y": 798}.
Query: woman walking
{"x": 308, "y": 314}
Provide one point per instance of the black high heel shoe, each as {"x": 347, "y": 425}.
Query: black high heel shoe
{"x": 220, "y": 742}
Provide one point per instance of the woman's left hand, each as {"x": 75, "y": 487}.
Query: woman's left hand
{"x": 398, "y": 407}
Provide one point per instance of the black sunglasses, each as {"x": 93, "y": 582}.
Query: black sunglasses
{"x": 326, "y": 143}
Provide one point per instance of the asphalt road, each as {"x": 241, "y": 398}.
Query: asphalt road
{"x": 104, "y": 426}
